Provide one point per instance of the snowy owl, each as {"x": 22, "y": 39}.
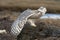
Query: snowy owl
{"x": 18, "y": 24}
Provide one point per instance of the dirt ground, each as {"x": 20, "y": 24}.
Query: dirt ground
{"x": 47, "y": 29}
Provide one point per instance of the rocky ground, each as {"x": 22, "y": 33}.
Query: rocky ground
{"x": 47, "y": 29}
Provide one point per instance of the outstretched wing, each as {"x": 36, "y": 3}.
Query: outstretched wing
{"x": 18, "y": 24}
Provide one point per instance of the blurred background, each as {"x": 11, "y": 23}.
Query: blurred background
{"x": 11, "y": 9}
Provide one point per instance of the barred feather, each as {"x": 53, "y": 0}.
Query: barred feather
{"x": 18, "y": 24}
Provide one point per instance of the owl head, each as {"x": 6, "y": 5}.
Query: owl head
{"x": 43, "y": 10}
